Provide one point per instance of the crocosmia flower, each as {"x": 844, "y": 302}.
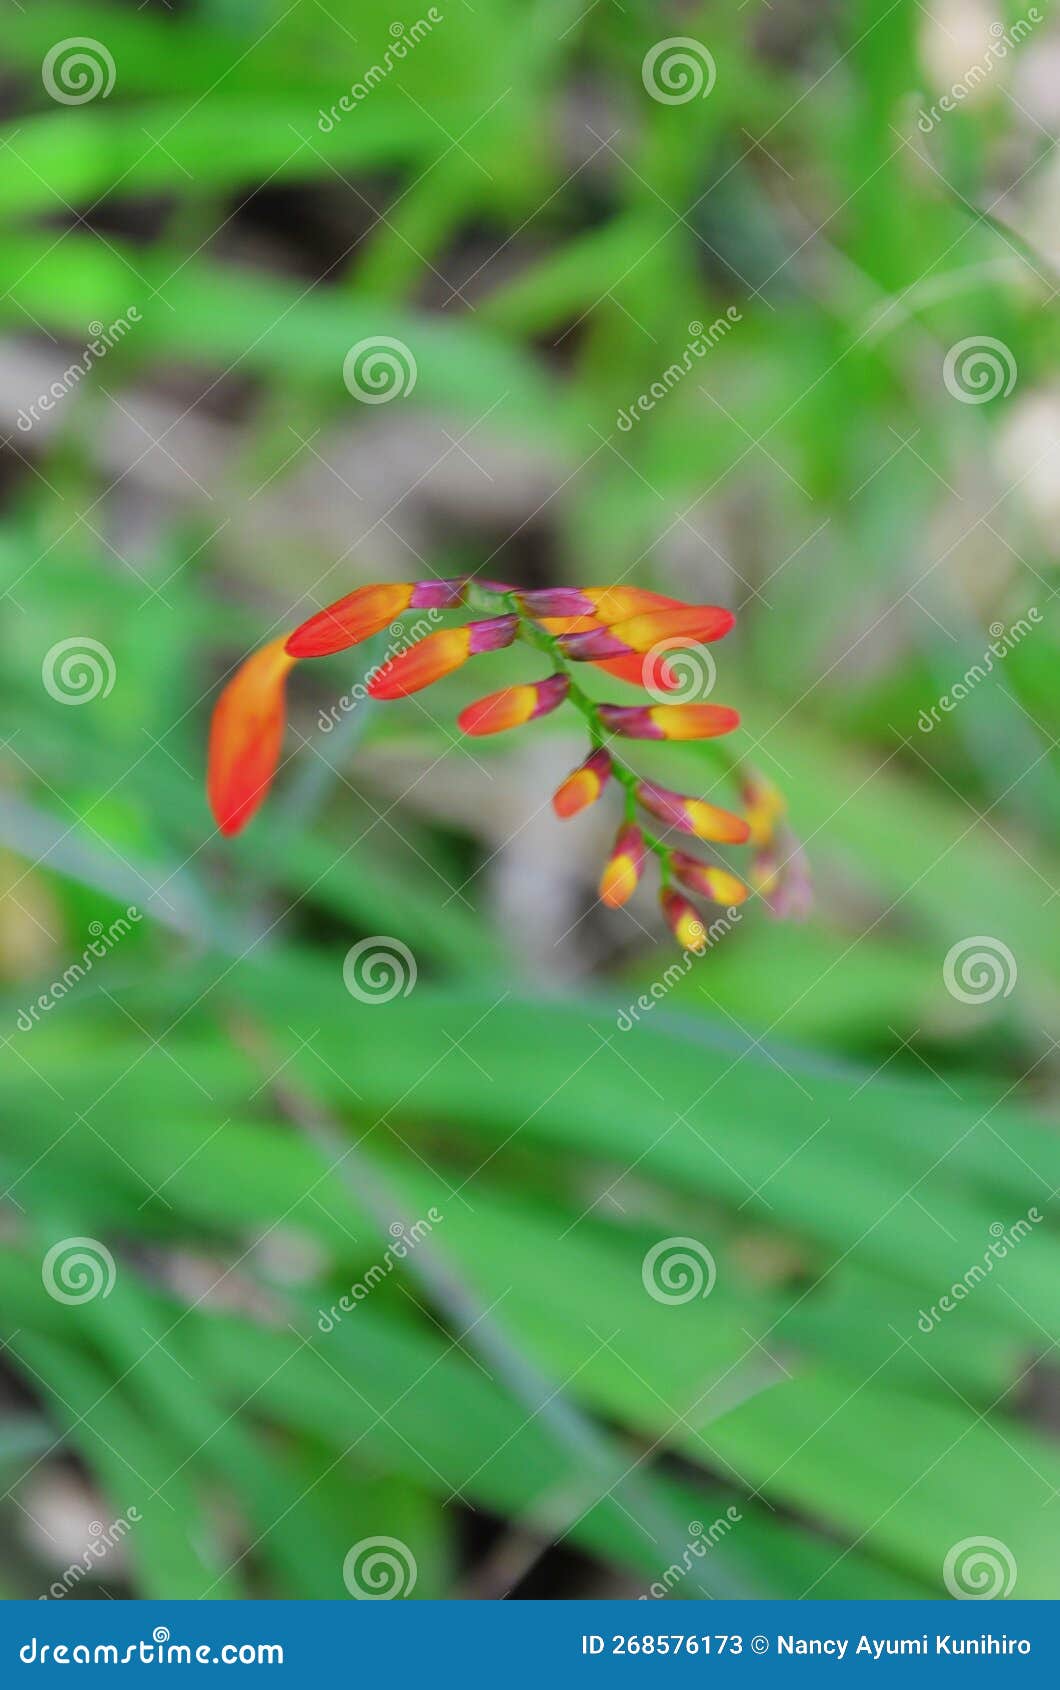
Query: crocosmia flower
{"x": 513, "y": 706}
{"x": 693, "y": 815}
{"x": 438, "y": 654}
{"x": 717, "y": 884}
{"x": 617, "y": 630}
{"x": 669, "y": 721}
{"x": 623, "y": 868}
{"x": 367, "y": 611}
{"x": 246, "y": 735}
{"x": 696, "y": 624}
{"x": 582, "y": 787}
{"x": 689, "y": 928}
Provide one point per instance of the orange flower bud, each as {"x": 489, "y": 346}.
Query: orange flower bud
{"x": 717, "y": 884}
{"x": 688, "y": 926}
{"x": 246, "y": 733}
{"x": 438, "y": 654}
{"x": 693, "y": 815}
{"x": 583, "y": 787}
{"x": 623, "y": 868}
{"x": 513, "y": 706}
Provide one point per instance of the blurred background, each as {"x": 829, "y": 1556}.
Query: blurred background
{"x": 833, "y": 1134}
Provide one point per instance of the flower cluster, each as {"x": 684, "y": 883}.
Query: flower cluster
{"x": 624, "y": 631}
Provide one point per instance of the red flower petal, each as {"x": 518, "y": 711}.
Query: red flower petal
{"x": 246, "y": 733}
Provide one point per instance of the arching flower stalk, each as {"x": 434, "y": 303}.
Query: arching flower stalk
{"x": 622, "y": 631}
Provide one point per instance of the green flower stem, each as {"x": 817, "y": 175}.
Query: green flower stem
{"x": 486, "y": 601}
{"x": 599, "y": 737}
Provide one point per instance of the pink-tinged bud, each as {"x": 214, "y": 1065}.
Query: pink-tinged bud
{"x": 695, "y": 623}
{"x": 604, "y": 604}
{"x": 717, "y": 884}
{"x": 491, "y": 635}
{"x": 438, "y": 595}
{"x": 693, "y": 815}
{"x": 367, "y": 611}
{"x": 623, "y": 868}
{"x": 438, "y": 654}
{"x": 513, "y": 706}
{"x": 583, "y": 787}
{"x": 686, "y": 923}
{"x": 780, "y": 874}
{"x": 669, "y": 721}
{"x": 555, "y": 602}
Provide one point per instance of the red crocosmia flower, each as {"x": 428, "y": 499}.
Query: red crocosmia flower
{"x": 367, "y": 611}
{"x": 623, "y": 868}
{"x": 693, "y": 815}
{"x": 427, "y": 660}
{"x": 246, "y": 734}
{"x": 669, "y": 721}
{"x": 513, "y": 706}
{"x": 717, "y": 884}
{"x": 603, "y": 604}
{"x": 624, "y": 631}
{"x": 583, "y": 787}
{"x": 629, "y": 668}
{"x": 695, "y": 623}
{"x": 688, "y": 926}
